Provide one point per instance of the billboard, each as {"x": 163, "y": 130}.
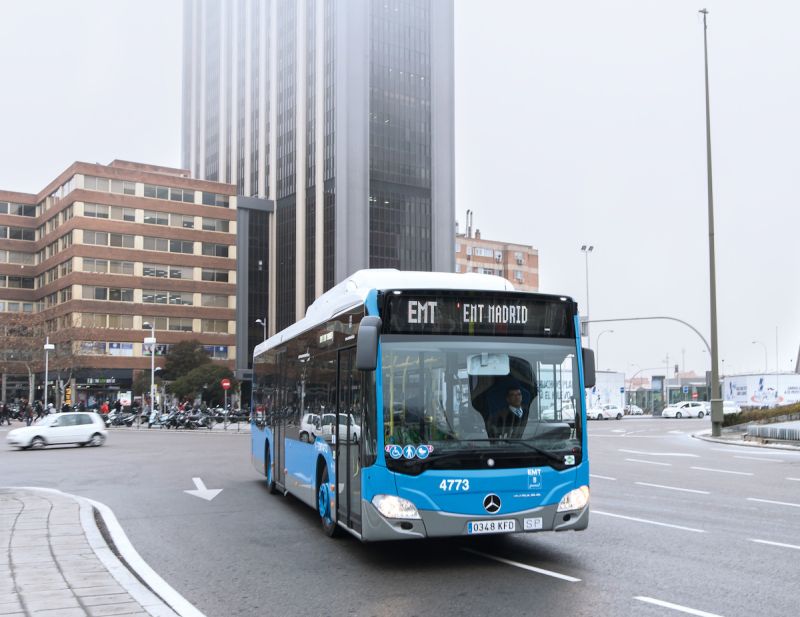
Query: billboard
{"x": 762, "y": 390}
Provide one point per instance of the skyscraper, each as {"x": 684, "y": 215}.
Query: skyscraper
{"x": 341, "y": 113}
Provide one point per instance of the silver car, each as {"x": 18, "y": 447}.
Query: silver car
{"x": 80, "y": 428}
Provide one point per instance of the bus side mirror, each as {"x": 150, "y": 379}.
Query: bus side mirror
{"x": 588, "y": 368}
{"x": 367, "y": 344}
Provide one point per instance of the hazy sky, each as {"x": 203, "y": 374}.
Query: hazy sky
{"x": 576, "y": 123}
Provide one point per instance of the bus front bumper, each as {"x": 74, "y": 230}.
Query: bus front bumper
{"x": 437, "y": 524}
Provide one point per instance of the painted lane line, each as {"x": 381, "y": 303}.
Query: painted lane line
{"x": 644, "y": 520}
{"x": 758, "y": 458}
{"x": 674, "y": 488}
{"x": 524, "y": 566}
{"x": 592, "y": 475}
{"x": 775, "y": 543}
{"x": 794, "y": 479}
{"x": 777, "y": 503}
{"x": 738, "y": 473}
{"x": 637, "y": 460}
{"x": 659, "y": 453}
{"x": 675, "y": 607}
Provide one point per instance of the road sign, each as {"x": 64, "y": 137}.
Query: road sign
{"x": 226, "y": 384}
{"x": 686, "y": 389}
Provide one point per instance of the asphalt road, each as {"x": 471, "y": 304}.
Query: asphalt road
{"x": 678, "y": 525}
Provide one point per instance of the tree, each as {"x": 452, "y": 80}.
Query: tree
{"x": 184, "y": 357}
{"x": 22, "y": 351}
{"x": 205, "y": 382}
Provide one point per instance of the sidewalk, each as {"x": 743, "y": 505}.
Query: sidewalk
{"x": 58, "y": 562}
{"x": 736, "y": 437}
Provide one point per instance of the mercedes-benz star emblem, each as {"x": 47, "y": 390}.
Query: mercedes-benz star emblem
{"x": 491, "y": 503}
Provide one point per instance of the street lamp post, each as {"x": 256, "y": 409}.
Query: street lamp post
{"x": 765, "y": 353}
{"x": 586, "y": 249}
{"x": 716, "y": 400}
{"x": 151, "y": 340}
{"x": 263, "y": 322}
{"x": 597, "y": 347}
{"x": 48, "y": 347}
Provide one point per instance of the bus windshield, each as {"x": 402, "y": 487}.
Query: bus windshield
{"x": 468, "y": 398}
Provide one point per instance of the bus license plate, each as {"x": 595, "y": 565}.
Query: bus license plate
{"x": 505, "y": 526}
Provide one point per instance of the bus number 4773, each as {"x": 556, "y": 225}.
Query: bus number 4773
{"x": 454, "y": 485}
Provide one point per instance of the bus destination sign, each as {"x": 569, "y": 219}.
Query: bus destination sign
{"x": 467, "y": 313}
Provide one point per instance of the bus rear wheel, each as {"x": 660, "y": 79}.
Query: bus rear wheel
{"x": 268, "y": 471}
{"x": 324, "y": 507}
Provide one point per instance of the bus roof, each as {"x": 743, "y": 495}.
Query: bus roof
{"x": 353, "y": 291}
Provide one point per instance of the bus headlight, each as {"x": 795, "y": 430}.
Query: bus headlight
{"x": 392, "y": 506}
{"x": 574, "y": 500}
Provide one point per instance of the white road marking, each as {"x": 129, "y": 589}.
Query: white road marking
{"x": 675, "y": 607}
{"x": 674, "y": 488}
{"x": 759, "y": 450}
{"x": 592, "y": 475}
{"x": 659, "y": 453}
{"x": 524, "y": 566}
{"x": 644, "y": 520}
{"x": 676, "y": 433}
{"x": 738, "y": 473}
{"x": 777, "y": 503}
{"x": 202, "y": 492}
{"x": 781, "y": 544}
{"x": 638, "y": 460}
{"x": 619, "y": 430}
{"x": 758, "y": 458}
{"x": 794, "y": 479}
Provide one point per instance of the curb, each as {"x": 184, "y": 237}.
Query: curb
{"x": 144, "y": 585}
{"x": 746, "y": 444}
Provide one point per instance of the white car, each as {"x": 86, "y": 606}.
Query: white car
{"x": 567, "y": 413}
{"x": 634, "y": 410}
{"x": 605, "y": 412}
{"x": 684, "y": 409}
{"x": 329, "y": 419}
{"x": 309, "y": 427}
{"x": 61, "y": 428}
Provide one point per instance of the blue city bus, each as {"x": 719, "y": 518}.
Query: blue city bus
{"x": 413, "y": 405}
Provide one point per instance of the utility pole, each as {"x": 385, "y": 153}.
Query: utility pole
{"x": 716, "y": 400}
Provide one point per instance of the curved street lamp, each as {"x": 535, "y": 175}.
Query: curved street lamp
{"x": 765, "y": 353}
{"x": 597, "y": 347}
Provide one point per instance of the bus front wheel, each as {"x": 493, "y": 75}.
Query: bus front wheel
{"x": 324, "y": 504}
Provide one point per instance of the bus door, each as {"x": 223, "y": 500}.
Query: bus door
{"x": 279, "y": 421}
{"x": 348, "y": 440}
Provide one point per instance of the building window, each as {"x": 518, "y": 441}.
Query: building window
{"x": 214, "y": 275}
{"x": 219, "y": 326}
{"x": 155, "y": 244}
{"x": 215, "y": 199}
{"x": 215, "y": 250}
{"x": 215, "y": 225}
{"x": 181, "y": 220}
{"x": 181, "y": 246}
{"x": 180, "y": 324}
{"x": 181, "y": 298}
{"x": 156, "y": 218}
{"x": 173, "y": 194}
{"x": 114, "y": 294}
{"x": 155, "y": 270}
{"x": 215, "y": 300}
{"x": 217, "y": 352}
{"x": 153, "y": 296}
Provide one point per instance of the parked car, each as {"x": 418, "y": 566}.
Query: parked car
{"x": 684, "y": 409}
{"x": 329, "y": 419}
{"x": 567, "y": 413}
{"x": 309, "y": 427}
{"x": 605, "y": 412}
{"x": 82, "y": 428}
{"x": 634, "y": 410}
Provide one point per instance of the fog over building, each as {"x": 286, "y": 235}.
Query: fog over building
{"x": 341, "y": 113}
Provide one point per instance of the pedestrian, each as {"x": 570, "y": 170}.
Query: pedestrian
{"x": 27, "y": 412}
{"x": 104, "y": 408}
{"x": 5, "y": 413}
{"x": 51, "y": 408}
{"x": 117, "y": 406}
{"x": 65, "y": 407}
{"x": 37, "y": 407}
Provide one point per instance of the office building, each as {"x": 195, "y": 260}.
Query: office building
{"x": 341, "y": 114}
{"x": 99, "y": 252}
{"x": 518, "y": 263}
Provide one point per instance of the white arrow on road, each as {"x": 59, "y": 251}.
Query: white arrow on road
{"x": 202, "y": 492}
